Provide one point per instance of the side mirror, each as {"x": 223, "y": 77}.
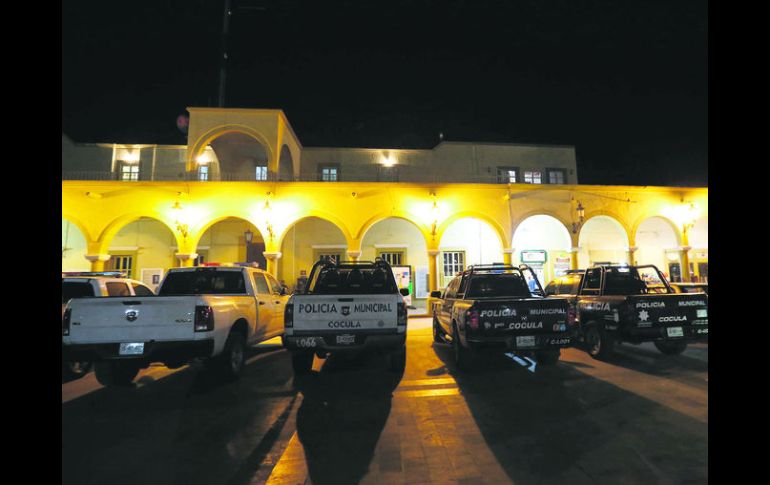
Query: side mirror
{"x": 404, "y": 291}
{"x": 435, "y": 294}
{"x": 283, "y": 291}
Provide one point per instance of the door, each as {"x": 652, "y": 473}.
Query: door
{"x": 265, "y": 306}
{"x": 279, "y": 303}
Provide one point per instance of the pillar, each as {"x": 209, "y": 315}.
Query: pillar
{"x": 354, "y": 255}
{"x": 272, "y": 262}
{"x": 573, "y": 257}
{"x": 630, "y": 255}
{"x": 97, "y": 261}
{"x": 684, "y": 258}
{"x": 508, "y": 255}
{"x": 432, "y": 269}
{"x": 186, "y": 260}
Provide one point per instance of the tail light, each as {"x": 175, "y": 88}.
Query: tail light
{"x": 65, "y": 322}
{"x": 401, "y": 322}
{"x": 472, "y": 317}
{"x": 288, "y": 315}
{"x": 204, "y": 318}
{"x": 571, "y": 315}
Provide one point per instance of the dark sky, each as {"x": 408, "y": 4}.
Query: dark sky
{"x": 626, "y": 82}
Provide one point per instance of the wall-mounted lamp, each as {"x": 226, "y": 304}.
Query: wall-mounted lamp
{"x": 181, "y": 227}
{"x": 268, "y": 214}
{"x": 581, "y": 215}
{"x": 434, "y": 215}
{"x": 249, "y": 236}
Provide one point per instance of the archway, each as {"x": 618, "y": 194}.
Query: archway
{"x": 238, "y": 157}
{"x": 542, "y": 242}
{"x": 144, "y": 249}
{"x": 74, "y": 248}
{"x": 225, "y": 241}
{"x": 285, "y": 165}
{"x": 304, "y": 243}
{"x": 401, "y": 243}
{"x": 698, "y": 238}
{"x": 658, "y": 244}
{"x": 602, "y": 240}
{"x": 467, "y": 241}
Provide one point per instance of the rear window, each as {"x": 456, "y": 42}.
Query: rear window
{"x": 141, "y": 290}
{"x": 570, "y": 284}
{"x": 490, "y": 286}
{"x": 75, "y": 289}
{"x": 117, "y": 289}
{"x": 203, "y": 282}
{"x": 623, "y": 281}
{"x": 354, "y": 281}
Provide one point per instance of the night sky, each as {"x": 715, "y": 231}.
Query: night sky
{"x": 626, "y": 82}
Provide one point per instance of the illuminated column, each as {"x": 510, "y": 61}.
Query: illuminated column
{"x": 272, "y": 262}
{"x": 684, "y": 257}
{"x": 97, "y": 261}
{"x": 432, "y": 269}
{"x": 354, "y": 255}
{"x": 186, "y": 260}
{"x": 630, "y": 255}
{"x": 508, "y": 255}
{"x": 573, "y": 257}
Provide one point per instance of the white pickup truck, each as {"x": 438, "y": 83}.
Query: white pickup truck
{"x": 348, "y": 307}
{"x": 200, "y": 312}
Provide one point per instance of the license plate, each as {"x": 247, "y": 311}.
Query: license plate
{"x": 702, "y": 313}
{"x": 526, "y": 341}
{"x": 675, "y": 332}
{"x": 346, "y": 339}
{"x": 132, "y": 348}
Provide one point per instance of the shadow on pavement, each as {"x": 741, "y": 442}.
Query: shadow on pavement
{"x": 558, "y": 425}
{"x": 344, "y": 409}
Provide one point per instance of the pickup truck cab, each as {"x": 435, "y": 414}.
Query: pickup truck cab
{"x": 632, "y": 304}
{"x": 94, "y": 284}
{"x": 200, "y": 312}
{"x": 491, "y": 308}
{"x": 347, "y": 307}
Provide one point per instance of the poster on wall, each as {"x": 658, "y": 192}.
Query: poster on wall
{"x": 151, "y": 277}
{"x": 421, "y": 282}
{"x": 560, "y": 265}
{"x": 403, "y": 275}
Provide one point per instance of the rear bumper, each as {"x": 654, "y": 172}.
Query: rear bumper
{"x": 546, "y": 341}
{"x": 327, "y": 342}
{"x": 173, "y": 351}
{"x": 691, "y": 334}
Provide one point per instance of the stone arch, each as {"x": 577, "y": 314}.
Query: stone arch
{"x": 334, "y": 220}
{"x": 217, "y": 218}
{"x": 228, "y": 245}
{"x": 496, "y": 226}
{"x": 398, "y": 215}
{"x": 543, "y": 232}
{"x": 304, "y": 240}
{"x": 635, "y": 229}
{"x": 657, "y": 241}
{"x": 285, "y": 165}
{"x": 74, "y": 246}
{"x": 699, "y": 233}
{"x": 79, "y": 224}
{"x": 607, "y": 251}
{"x": 109, "y": 232}
{"x": 553, "y": 215}
{"x": 206, "y": 138}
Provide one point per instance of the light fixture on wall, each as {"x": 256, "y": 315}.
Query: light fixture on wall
{"x": 268, "y": 214}
{"x": 181, "y": 227}
{"x": 581, "y": 214}
{"x": 434, "y": 215}
{"x": 248, "y": 235}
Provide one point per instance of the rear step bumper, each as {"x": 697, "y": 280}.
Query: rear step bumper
{"x": 508, "y": 342}
{"x": 691, "y": 334}
{"x": 328, "y": 342}
{"x": 153, "y": 351}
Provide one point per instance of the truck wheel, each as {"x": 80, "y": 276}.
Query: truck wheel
{"x": 233, "y": 356}
{"x": 398, "y": 359}
{"x": 548, "y": 357}
{"x": 302, "y": 362}
{"x": 600, "y": 344}
{"x": 463, "y": 356}
{"x": 437, "y": 332}
{"x": 75, "y": 370}
{"x": 674, "y": 347}
{"x": 115, "y": 372}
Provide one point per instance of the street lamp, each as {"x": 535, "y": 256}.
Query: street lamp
{"x": 581, "y": 213}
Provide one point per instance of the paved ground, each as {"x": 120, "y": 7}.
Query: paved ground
{"x": 640, "y": 419}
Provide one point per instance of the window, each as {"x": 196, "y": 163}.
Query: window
{"x": 556, "y": 176}
{"x": 274, "y": 284}
{"x": 117, "y": 289}
{"x": 75, "y": 289}
{"x": 128, "y": 172}
{"x": 569, "y": 284}
{"x": 259, "y": 281}
{"x": 508, "y": 175}
{"x": 387, "y": 174}
{"x": 123, "y": 263}
{"x": 141, "y": 290}
{"x": 394, "y": 258}
{"x": 333, "y": 257}
{"x": 593, "y": 281}
{"x": 261, "y": 172}
{"x": 203, "y": 173}
{"x": 454, "y": 262}
{"x": 531, "y": 177}
{"x": 329, "y": 172}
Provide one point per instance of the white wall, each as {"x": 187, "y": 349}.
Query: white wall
{"x": 74, "y": 248}
{"x": 602, "y": 238}
{"x": 653, "y": 238}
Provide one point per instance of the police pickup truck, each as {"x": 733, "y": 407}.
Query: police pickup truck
{"x": 492, "y": 308}
{"x": 634, "y": 304}
{"x": 200, "y": 312}
{"x": 347, "y": 307}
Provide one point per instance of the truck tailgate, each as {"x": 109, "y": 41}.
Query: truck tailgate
{"x": 131, "y": 319}
{"x": 349, "y": 313}
{"x": 529, "y": 316}
{"x": 684, "y": 310}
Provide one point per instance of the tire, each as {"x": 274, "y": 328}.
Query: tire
{"x": 302, "y": 362}
{"x": 438, "y": 336}
{"x": 75, "y": 370}
{"x": 547, "y": 357}
{"x": 599, "y": 343}
{"x": 463, "y": 357}
{"x": 397, "y": 360}
{"x": 115, "y": 372}
{"x": 230, "y": 362}
{"x": 671, "y": 347}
